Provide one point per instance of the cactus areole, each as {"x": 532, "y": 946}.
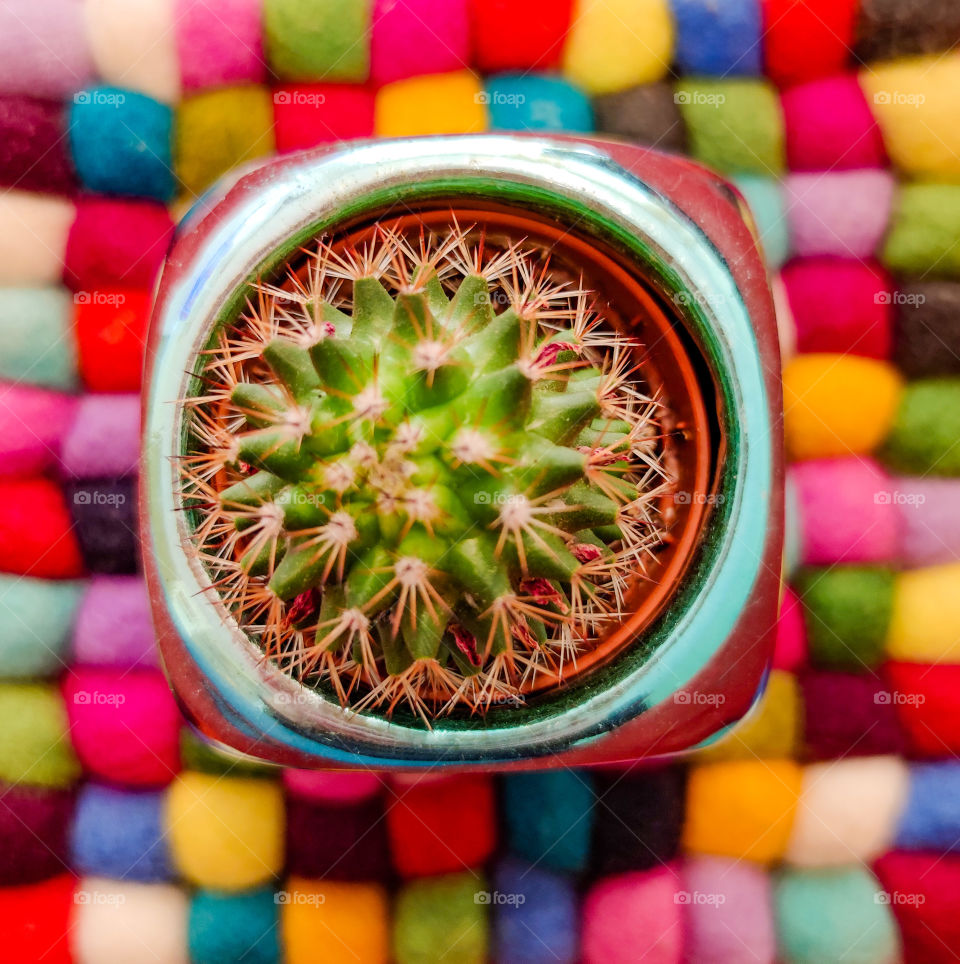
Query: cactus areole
{"x": 464, "y": 450}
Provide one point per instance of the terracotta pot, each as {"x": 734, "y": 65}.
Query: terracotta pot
{"x": 666, "y": 244}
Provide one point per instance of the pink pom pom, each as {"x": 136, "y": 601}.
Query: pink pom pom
{"x": 729, "y": 914}
{"x": 218, "y": 44}
{"x": 418, "y": 37}
{"x": 840, "y": 305}
{"x": 790, "y": 649}
{"x": 43, "y": 48}
{"x": 633, "y": 917}
{"x": 104, "y": 438}
{"x": 843, "y": 213}
{"x": 332, "y": 786}
{"x": 829, "y": 126}
{"x": 846, "y": 510}
{"x": 33, "y": 422}
{"x": 113, "y": 626}
{"x": 125, "y": 726}
{"x": 929, "y": 520}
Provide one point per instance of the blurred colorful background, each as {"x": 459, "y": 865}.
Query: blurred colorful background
{"x": 825, "y": 829}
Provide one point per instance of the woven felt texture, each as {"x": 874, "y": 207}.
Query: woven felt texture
{"x": 824, "y": 828}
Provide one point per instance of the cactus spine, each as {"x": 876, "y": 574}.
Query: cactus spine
{"x": 408, "y": 497}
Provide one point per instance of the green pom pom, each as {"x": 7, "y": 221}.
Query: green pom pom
{"x": 925, "y": 438}
{"x": 442, "y": 919}
{"x": 847, "y": 612}
{"x": 35, "y": 748}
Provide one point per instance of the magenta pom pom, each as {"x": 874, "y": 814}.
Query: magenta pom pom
{"x": 847, "y": 512}
{"x": 843, "y": 213}
{"x": 104, "y": 438}
{"x": 840, "y": 305}
{"x": 43, "y": 48}
{"x": 929, "y": 520}
{"x": 729, "y": 913}
{"x": 829, "y": 126}
{"x": 124, "y": 726}
{"x": 634, "y": 917}
{"x": 332, "y": 786}
{"x": 218, "y": 44}
{"x": 418, "y": 37}
{"x": 790, "y": 650}
{"x": 34, "y": 150}
{"x": 113, "y": 626}
{"x": 33, "y": 422}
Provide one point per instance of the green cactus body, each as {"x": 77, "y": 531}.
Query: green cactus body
{"x": 410, "y": 498}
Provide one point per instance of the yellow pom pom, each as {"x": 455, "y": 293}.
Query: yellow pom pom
{"x": 433, "y": 104}
{"x": 218, "y": 129}
{"x": 618, "y": 44}
{"x": 769, "y": 731}
{"x": 348, "y": 921}
{"x": 916, "y": 101}
{"x": 225, "y": 833}
{"x": 925, "y": 625}
{"x": 741, "y": 809}
{"x": 837, "y": 404}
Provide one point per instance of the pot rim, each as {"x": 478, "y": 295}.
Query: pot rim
{"x": 273, "y": 209}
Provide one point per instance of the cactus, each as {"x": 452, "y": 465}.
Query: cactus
{"x": 407, "y": 497}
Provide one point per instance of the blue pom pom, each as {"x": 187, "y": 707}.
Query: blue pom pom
{"x": 537, "y": 103}
{"x": 718, "y": 37}
{"x": 549, "y": 817}
{"x": 931, "y": 820}
{"x": 535, "y": 916}
{"x": 120, "y": 833}
{"x": 234, "y": 927}
{"x": 122, "y": 143}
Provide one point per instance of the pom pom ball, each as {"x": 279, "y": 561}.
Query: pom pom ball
{"x": 549, "y": 817}
{"x": 218, "y": 130}
{"x": 121, "y": 143}
{"x": 802, "y": 41}
{"x": 33, "y": 152}
{"x": 36, "y": 532}
{"x": 613, "y": 45}
{"x": 733, "y": 125}
{"x": 35, "y": 749}
{"x": 931, "y": 818}
{"x": 33, "y": 422}
{"x": 543, "y": 927}
{"x": 927, "y": 328}
{"x": 837, "y": 404}
{"x": 718, "y": 39}
{"x": 535, "y": 103}
{"x": 922, "y": 237}
{"x": 124, "y": 725}
{"x": 840, "y": 213}
{"x": 329, "y": 41}
{"x": 442, "y": 826}
{"x": 929, "y": 521}
{"x": 887, "y": 29}
{"x": 925, "y": 432}
{"x": 113, "y": 626}
{"x": 218, "y": 45}
{"x": 741, "y": 808}
{"x": 925, "y": 698}
{"x": 34, "y": 232}
{"x": 104, "y": 519}
{"x": 456, "y": 106}
{"x": 834, "y": 915}
{"x": 832, "y": 827}
{"x": 120, "y": 833}
{"x": 646, "y": 114}
{"x": 104, "y": 437}
{"x": 225, "y": 833}
{"x": 925, "y": 623}
{"x": 111, "y": 330}
{"x": 441, "y": 918}
{"x": 418, "y": 37}
{"x": 36, "y": 337}
{"x": 35, "y": 619}
{"x": 633, "y": 917}
{"x": 234, "y": 927}
{"x": 534, "y": 40}
{"x": 308, "y": 115}
{"x": 33, "y": 833}
{"x": 36, "y": 920}
{"x": 848, "y": 511}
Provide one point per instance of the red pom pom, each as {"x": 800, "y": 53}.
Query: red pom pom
{"x": 924, "y": 894}
{"x": 115, "y": 243}
{"x": 518, "y": 34}
{"x": 305, "y": 115}
{"x": 35, "y": 922}
{"x": 111, "y": 330}
{"x": 442, "y": 826}
{"x": 124, "y": 726}
{"x": 840, "y": 305}
{"x": 807, "y": 39}
{"x": 926, "y": 700}
{"x": 34, "y": 147}
{"x": 36, "y": 538}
